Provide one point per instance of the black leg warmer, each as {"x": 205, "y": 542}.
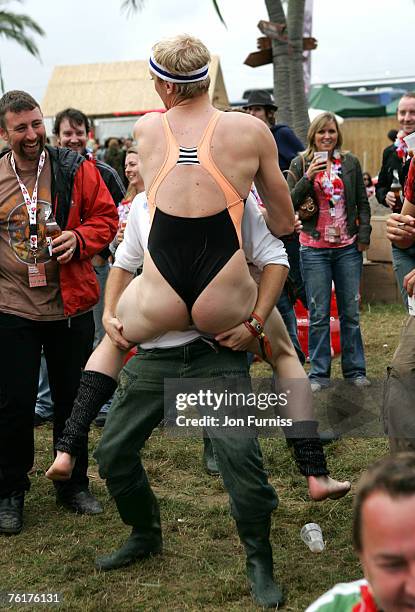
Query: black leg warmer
{"x": 95, "y": 389}
{"x": 307, "y": 448}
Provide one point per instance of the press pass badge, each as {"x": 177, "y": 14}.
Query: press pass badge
{"x": 37, "y": 275}
{"x": 333, "y": 233}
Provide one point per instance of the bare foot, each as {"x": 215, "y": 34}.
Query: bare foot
{"x": 61, "y": 468}
{"x": 324, "y": 487}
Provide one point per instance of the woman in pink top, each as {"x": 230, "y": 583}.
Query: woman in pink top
{"x": 332, "y": 242}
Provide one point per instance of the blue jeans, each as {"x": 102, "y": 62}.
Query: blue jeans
{"x": 44, "y": 404}
{"x": 102, "y": 275}
{"x": 403, "y": 262}
{"x": 320, "y": 267}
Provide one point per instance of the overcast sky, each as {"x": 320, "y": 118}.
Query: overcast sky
{"x": 356, "y": 38}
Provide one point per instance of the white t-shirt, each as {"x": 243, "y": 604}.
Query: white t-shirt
{"x": 260, "y": 246}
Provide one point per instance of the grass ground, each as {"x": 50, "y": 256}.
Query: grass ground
{"x": 203, "y": 564}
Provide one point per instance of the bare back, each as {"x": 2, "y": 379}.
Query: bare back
{"x": 234, "y": 149}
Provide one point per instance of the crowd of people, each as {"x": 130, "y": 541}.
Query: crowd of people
{"x": 209, "y": 249}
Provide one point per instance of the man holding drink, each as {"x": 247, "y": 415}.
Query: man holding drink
{"x": 392, "y": 179}
{"x": 47, "y": 290}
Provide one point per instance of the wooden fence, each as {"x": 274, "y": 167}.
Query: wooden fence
{"x": 366, "y": 138}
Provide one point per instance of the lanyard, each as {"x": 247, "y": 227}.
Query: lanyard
{"x": 31, "y": 203}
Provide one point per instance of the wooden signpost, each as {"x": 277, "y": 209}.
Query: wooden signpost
{"x": 273, "y": 31}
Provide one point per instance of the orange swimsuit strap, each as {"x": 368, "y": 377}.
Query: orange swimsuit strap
{"x": 234, "y": 202}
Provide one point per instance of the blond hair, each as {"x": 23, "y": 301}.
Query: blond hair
{"x": 182, "y": 54}
{"x": 315, "y": 126}
{"x": 132, "y": 190}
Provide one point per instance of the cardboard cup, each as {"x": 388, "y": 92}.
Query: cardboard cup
{"x": 410, "y": 140}
{"x": 411, "y": 305}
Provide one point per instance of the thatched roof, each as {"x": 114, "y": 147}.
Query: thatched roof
{"x": 104, "y": 90}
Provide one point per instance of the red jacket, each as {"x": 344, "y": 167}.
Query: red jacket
{"x": 83, "y": 204}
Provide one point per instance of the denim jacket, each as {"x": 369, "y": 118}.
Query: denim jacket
{"x": 357, "y": 204}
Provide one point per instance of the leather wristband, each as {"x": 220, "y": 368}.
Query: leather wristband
{"x": 256, "y": 327}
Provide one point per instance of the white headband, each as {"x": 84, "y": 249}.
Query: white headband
{"x": 179, "y": 77}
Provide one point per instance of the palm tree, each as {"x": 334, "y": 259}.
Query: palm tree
{"x": 287, "y": 53}
{"x": 18, "y": 27}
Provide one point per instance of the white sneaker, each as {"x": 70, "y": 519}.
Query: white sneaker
{"x": 315, "y": 386}
{"x": 361, "y": 381}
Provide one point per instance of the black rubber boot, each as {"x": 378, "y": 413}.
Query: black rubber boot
{"x": 259, "y": 565}
{"x": 209, "y": 459}
{"x": 95, "y": 389}
{"x": 304, "y": 440}
{"x": 11, "y": 513}
{"x": 141, "y": 510}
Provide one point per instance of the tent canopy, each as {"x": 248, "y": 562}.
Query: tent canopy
{"x": 315, "y": 112}
{"x": 392, "y": 107}
{"x": 329, "y": 99}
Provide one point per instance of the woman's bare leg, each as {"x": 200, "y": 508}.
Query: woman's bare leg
{"x": 289, "y": 373}
{"x": 106, "y": 362}
{"x": 107, "y": 359}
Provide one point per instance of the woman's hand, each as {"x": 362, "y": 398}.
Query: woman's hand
{"x": 316, "y": 166}
{"x": 120, "y": 234}
{"x": 298, "y": 226}
{"x": 238, "y": 338}
{"x": 362, "y": 247}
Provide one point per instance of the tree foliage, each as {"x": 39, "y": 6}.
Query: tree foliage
{"x": 133, "y": 5}
{"x": 18, "y": 27}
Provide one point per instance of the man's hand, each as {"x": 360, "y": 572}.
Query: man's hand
{"x": 113, "y": 327}
{"x": 390, "y": 199}
{"x": 64, "y": 246}
{"x": 409, "y": 282}
{"x": 238, "y": 338}
{"x": 400, "y": 229}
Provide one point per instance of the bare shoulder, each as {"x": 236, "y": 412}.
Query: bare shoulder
{"x": 146, "y": 122}
{"x": 243, "y": 120}
{"x": 248, "y": 128}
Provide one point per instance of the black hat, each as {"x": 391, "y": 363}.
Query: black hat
{"x": 261, "y": 97}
